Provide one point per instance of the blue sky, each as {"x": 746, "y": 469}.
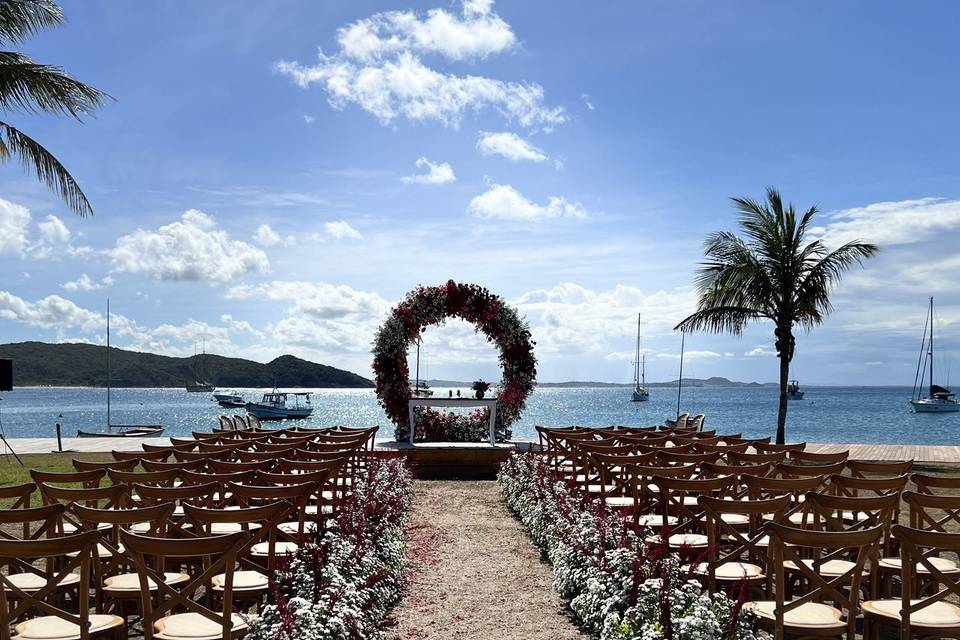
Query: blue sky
{"x": 273, "y": 177}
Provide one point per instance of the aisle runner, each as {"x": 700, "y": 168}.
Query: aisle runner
{"x": 475, "y": 573}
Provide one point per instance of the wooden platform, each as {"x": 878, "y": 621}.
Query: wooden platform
{"x": 940, "y": 454}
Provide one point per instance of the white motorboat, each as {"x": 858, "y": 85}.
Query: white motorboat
{"x": 230, "y": 399}
{"x": 640, "y": 393}
{"x": 282, "y": 405}
{"x": 938, "y": 399}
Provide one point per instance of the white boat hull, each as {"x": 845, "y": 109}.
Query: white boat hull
{"x": 265, "y": 412}
{"x": 928, "y": 405}
{"x": 641, "y": 396}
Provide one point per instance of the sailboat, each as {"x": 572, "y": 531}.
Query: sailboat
{"x": 420, "y": 387}
{"x": 199, "y": 385}
{"x": 938, "y": 399}
{"x": 640, "y": 393}
{"x": 118, "y": 430}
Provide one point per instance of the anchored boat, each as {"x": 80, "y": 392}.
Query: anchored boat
{"x": 640, "y": 393}
{"x": 282, "y": 405}
{"x": 938, "y": 399}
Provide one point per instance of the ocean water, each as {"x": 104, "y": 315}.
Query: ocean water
{"x": 828, "y": 414}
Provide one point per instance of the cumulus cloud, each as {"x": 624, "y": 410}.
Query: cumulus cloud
{"x": 86, "y": 283}
{"x": 266, "y": 236}
{"x": 509, "y": 145}
{"x": 892, "y": 223}
{"x": 51, "y": 312}
{"x": 337, "y": 230}
{"x": 14, "y": 220}
{"x": 308, "y": 118}
{"x": 191, "y": 249}
{"x": 760, "y": 351}
{"x": 378, "y": 67}
{"x": 53, "y": 230}
{"x": 503, "y": 202}
{"x": 440, "y": 173}
{"x": 691, "y": 355}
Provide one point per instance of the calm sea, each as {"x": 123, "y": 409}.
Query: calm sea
{"x": 828, "y": 414}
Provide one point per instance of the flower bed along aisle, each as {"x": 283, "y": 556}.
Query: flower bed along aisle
{"x": 342, "y": 587}
{"x": 618, "y": 587}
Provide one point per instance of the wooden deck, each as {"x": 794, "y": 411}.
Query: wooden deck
{"x": 941, "y": 454}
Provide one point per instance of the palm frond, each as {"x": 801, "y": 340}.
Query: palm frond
{"x": 30, "y": 87}
{"x": 20, "y": 19}
{"x": 812, "y": 297}
{"x": 48, "y": 169}
{"x": 719, "y": 319}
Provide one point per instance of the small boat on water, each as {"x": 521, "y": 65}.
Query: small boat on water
{"x": 199, "y": 384}
{"x": 422, "y": 390}
{"x": 939, "y": 399}
{"x": 119, "y": 430}
{"x": 229, "y": 399}
{"x": 282, "y": 405}
{"x": 793, "y": 391}
{"x": 640, "y": 392}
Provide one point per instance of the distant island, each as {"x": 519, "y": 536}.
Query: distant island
{"x": 715, "y": 381}
{"x": 85, "y": 365}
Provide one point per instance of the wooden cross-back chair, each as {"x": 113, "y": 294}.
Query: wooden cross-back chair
{"x": 679, "y": 497}
{"x": 737, "y": 457}
{"x": 164, "y": 478}
{"x": 297, "y": 495}
{"x": 809, "y": 615}
{"x": 202, "y": 495}
{"x": 123, "y": 456}
{"x": 587, "y": 474}
{"x": 34, "y": 523}
{"x": 20, "y": 494}
{"x": 721, "y": 448}
{"x": 784, "y": 470}
{"x": 936, "y": 484}
{"x": 668, "y": 456}
{"x": 737, "y": 542}
{"x": 927, "y": 608}
{"x": 220, "y": 466}
{"x": 738, "y": 471}
{"x": 623, "y": 474}
{"x": 72, "y": 553}
{"x": 188, "y": 456}
{"x": 150, "y": 465}
{"x": 219, "y": 555}
{"x": 759, "y": 488}
{"x": 110, "y": 497}
{"x": 767, "y": 447}
{"x": 261, "y": 456}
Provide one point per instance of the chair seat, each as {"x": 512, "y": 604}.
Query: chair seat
{"x": 735, "y": 519}
{"x": 223, "y": 528}
{"x": 601, "y": 488}
{"x": 294, "y": 527}
{"x": 102, "y": 551}
{"x": 193, "y": 626}
{"x": 311, "y": 509}
{"x": 281, "y": 548}
{"x": 731, "y": 571}
{"x": 54, "y": 628}
{"x": 797, "y": 518}
{"x": 937, "y": 615}
{"x": 32, "y": 582}
{"x": 681, "y": 540}
{"x": 830, "y": 568}
{"x": 69, "y": 528}
{"x": 810, "y": 615}
{"x": 619, "y": 501}
{"x": 942, "y": 564}
{"x": 130, "y": 582}
{"x": 243, "y": 581}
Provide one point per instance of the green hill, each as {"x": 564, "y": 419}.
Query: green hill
{"x": 85, "y": 365}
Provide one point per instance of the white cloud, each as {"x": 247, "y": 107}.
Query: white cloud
{"x": 308, "y": 118}
{"x": 503, "y": 202}
{"x": 266, "y": 236}
{"x": 337, "y": 230}
{"x": 441, "y": 173}
{"x": 51, "y": 312}
{"x": 509, "y": 145}
{"x": 690, "y": 355}
{"x": 54, "y": 230}
{"x": 86, "y": 283}
{"x": 586, "y": 101}
{"x": 14, "y": 220}
{"x": 760, "y": 351}
{"x": 378, "y": 67}
{"x": 892, "y": 223}
{"x": 476, "y": 33}
{"x": 191, "y": 249}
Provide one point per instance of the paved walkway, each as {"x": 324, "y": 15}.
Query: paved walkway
{"x": 475, "y": 574}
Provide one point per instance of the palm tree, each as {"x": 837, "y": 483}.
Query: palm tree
{"x": 770, "y": 274}
{"x": 30, "y": 87}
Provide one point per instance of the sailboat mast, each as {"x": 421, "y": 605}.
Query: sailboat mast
{"x": 931, "y": 346}
{"x": 683, "y": 336}
{"x": 636, "y": 363}
{"x": 108, "y": 363}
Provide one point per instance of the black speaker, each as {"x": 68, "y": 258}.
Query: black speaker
{"x": 6, "y": 375}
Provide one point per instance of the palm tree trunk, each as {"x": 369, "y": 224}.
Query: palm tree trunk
{"x": 784, "y": 381}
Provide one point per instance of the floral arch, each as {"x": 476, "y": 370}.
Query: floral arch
{"x": 500, "y": 323}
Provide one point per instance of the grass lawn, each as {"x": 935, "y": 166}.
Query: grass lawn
{"x": 11, "y": 473}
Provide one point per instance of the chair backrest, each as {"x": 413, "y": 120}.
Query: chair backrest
{"x": 220, "y": 466}
{"x": 713, "y": 469}
{"x": 674, "y": 491}
{"x": 163, "y": 478}
{"x": 807, "y": 550}
{"x": 807, "y": 457}
{"x": 860, "y": 468}
{"x": 200, "y": 494}
{"x": 845, "y": 513}
{"x": 850, "y": 486}
{"x": 90, "y": 478}
{"x": 261, "y": 456}
{"x": 669, "y": 457}
{"x": 19, "y": 493}
{"x": 721, "y": 448}
{"x": 784, "y": 470}
{"x": 119, "y": 465}
{"x": 766, "y": 447}
{"x": 33, "y": 523}
{"x": 932, "y": 512}
{"x": 140, "y": 455}
{"x": 187, "y": 456}
{"x": 917, "y": 549}
{"x": 736, "y": 457}
{"x": 936, "y": 484}
{"x": 150, "y": 465}
{"x": 16, "y": 556}
{"x": 110, "y": 496}
{"x": 219, "y": 554}
{"x": 240, "y": 423}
